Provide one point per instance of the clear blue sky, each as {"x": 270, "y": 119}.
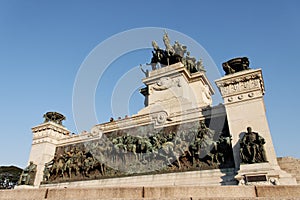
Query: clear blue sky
{"x": 43, "y": 44}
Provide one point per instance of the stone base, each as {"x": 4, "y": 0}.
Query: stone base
{"x": 205, "y": 177}
{"x": 263, "y": 174}
{"x": 17, "y": 187}
{"x": 171, "y": 192}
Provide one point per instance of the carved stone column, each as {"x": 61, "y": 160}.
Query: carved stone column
{"x": 45, "y": 140}
{"x": 243, "y": 98}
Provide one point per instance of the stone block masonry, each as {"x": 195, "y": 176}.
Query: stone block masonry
{"x": 165, "y": 192}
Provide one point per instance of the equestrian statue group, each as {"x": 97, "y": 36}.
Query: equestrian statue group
{"x": 174, "y": 54}
{"x": 123, "y": 153}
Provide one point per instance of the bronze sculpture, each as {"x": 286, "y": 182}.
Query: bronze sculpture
{"x": 251, "y": 148}
{"x": 174, "y": 54}
{"x": 236, "y": 65}
{"x": 28, "y": 175}
{"x": 54, "y": 117}
{"x": 122, "y": 153}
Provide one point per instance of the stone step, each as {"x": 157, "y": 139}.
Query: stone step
{"x": 209, "y": 198}
{"x": 159, "y": 192}
{"x": 187, "y": 198}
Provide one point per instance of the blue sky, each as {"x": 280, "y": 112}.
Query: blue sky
{"x": 44, "y": 43}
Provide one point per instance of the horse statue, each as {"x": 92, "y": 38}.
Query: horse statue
{"x": 57, "y": 168}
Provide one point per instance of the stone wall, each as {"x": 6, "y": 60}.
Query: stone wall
{"x": 290, "y": 165}
{"x": 171, "y": 192}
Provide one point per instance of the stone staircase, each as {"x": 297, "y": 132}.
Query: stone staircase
{"x": 290, "y": 165}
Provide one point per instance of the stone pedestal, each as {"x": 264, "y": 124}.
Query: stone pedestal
{"x": 174, "y": 97}
{"x": 45, "y": 139}
{"x": 174, "y": 89}
{"x": 243, "y": 98}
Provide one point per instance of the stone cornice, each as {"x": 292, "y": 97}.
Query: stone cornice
{"x": 52, "y": 126}
{"x": 50, "y": 130}
{"x": 241, "y": 86}
{"x": 173, "y": 71}
{"x": 158, "y": 119}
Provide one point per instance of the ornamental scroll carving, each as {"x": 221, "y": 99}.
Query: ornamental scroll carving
{"x": 166, "y": 83}
{"x": 241, "y": 84}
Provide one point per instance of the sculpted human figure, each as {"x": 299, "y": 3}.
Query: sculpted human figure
{"x": 146, "y": 72}
{"x": 157, "y": 55}
{"x": 46, "y": 175}
{"x": 190, "y": 62}
{"x": 48, "y": 169}
{"x": 28, "y": 175}
{"x": 199, "y": 65}
{"x": 155, "y": 45}
{"x": 169, "y": 48}
{"x": 179, "y": 49}
{"x": 224, "y": 146}
{"x": 251, "y": 147}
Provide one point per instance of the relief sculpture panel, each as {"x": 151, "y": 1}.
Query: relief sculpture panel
{"x": 142, "y": 150}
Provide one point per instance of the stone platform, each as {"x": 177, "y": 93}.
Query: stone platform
{"x": 215, "y": 177}
{"x": 171, "y": 192}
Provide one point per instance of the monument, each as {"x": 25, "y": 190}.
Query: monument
{"x": 242, "y": 90}
{"x": 178, "y": 138}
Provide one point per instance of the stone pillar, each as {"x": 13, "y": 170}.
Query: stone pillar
{"x": 45, "y": 140}
{"x": 243, "y": 98}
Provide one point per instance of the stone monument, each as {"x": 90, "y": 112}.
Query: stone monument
{"x": 242, "y": 90}
{"x": 46, "y": 136}
{"x": 179, "y": 138}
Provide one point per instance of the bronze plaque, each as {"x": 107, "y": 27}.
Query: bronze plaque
{"x": 256, "y": 178}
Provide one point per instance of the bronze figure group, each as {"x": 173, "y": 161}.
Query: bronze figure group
{"x": 174, "y": 54}
{"x": 124, "y": 153}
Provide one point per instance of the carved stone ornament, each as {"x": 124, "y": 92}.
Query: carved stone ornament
{"x": 166, "y": 83}
{"x": 241, "y": 87}
{"x": 161, "y": 117}
{"x": 241, "y": 84}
